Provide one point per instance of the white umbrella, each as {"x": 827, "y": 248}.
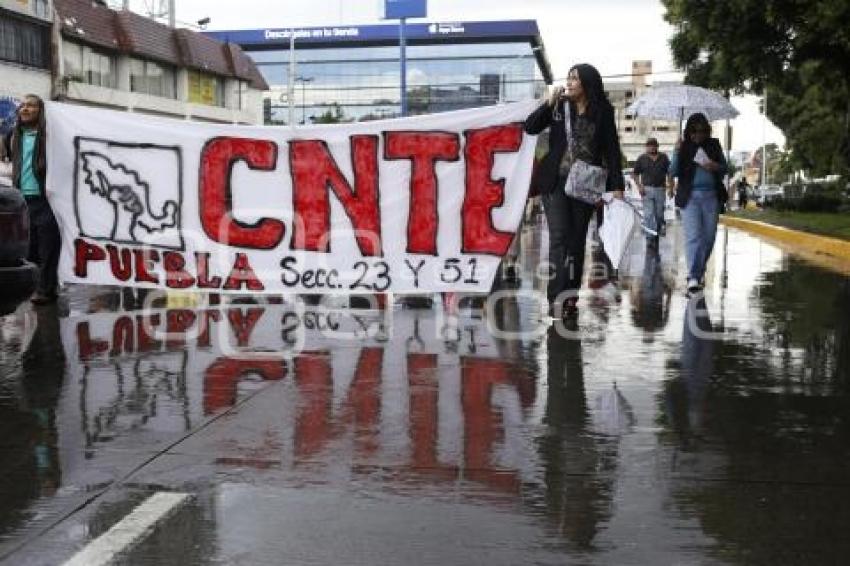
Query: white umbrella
{"x": 617, "y": 228}
{"x": 612, "y": 414}
{"x": 675, "y": 102}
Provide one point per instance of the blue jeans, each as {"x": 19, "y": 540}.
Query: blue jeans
{"x": 653, "y": 208}
{"x": 700, "y": 220}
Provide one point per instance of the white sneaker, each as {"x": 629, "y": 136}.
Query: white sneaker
{"x": 693, "y": 285}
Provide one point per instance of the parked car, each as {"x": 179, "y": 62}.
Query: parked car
{"x": 768, "y": 194}
{"x": 17, "y": 276}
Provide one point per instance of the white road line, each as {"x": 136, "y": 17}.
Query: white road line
{"x": 129, "y": 531}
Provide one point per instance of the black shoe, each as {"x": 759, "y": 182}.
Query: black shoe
{"x": 43, "y": 298}
{"x": 570, "y": 308}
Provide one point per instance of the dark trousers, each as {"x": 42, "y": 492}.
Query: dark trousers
{"x": 568, "y": 219}
{"x": 45, "y": 244}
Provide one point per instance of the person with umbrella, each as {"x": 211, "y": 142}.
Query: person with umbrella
{"x": 699, "y": 166}
{"x": 594, "y": 140}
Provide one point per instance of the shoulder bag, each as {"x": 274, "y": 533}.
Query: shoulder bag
{"x": 585, "y": 182}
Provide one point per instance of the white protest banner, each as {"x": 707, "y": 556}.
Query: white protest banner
{"x": 420, "y": 204}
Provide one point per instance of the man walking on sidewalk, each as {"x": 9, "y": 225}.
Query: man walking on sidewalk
{"x": 650, "y": 175}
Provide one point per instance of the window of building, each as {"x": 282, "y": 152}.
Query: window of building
{"x": 152, "y": 78}
{"x": 87, "y": 65}
{"x": 24, "y": 43}
{"x": 206, "y": 89}
{"x": 364, "y": 81}
{"x": 41, "y": 8}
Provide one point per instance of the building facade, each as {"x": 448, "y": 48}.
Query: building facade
{"x": 352, "y": 73}
{"x": 634, "y": 131}
{"x": 25, "y": 54}
{"x": 82, "y": 51}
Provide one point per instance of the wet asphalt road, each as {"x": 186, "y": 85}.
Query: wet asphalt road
{"x": 661, "y": 430}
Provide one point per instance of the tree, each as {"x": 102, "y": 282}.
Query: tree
{"x": 333, "y": 115}
{"x": 797, "y": 51}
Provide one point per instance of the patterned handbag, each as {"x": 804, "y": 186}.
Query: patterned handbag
{"x": 585, "y": 182}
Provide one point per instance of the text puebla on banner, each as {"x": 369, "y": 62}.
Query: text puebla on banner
{"x": 421, "y": 204}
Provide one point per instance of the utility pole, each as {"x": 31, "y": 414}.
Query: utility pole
{"x": 764, "y": 140}
{"x": 291, "y": 90}
{"x": 172, "y": 16}
{"x": 403, "y": 46}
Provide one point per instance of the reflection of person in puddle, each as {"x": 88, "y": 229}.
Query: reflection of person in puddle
{"x": 578, "y": 466}
{"x": 685, "y": 396}
{"x": 43, "y": 371}
{"x": 651, "y": 297}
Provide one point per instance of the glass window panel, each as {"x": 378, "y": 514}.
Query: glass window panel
{"x": 137, "y": 76}
{"x": 205, "y": 89}
{"x": 73, "y": 58}
{"x": 25, "y": 43}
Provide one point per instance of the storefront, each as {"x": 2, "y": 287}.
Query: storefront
{"x": 352, "y": 73}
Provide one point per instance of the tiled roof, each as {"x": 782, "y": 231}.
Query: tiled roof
{"x": 202, "y": 53}
{"x": 147, "y": 38}
{"x": 89, "y": 21}
{"x": 244, "y": 67}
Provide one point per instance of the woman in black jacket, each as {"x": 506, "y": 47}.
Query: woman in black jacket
{"x": 699, "y": 166}
{"x": 595, "y": 141}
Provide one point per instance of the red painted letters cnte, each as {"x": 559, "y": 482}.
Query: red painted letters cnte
{"x": 216, "y": 197}
{"x": 314, "y": 172}
{"x": 483, "y": 193}
{"x": 423, "y": 149}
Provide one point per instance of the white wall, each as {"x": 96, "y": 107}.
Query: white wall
{"x": 251, "y": 111}
{"x": 17, "y": 81}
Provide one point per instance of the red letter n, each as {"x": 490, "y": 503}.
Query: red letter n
{"x": 483, "y": 193}
{"x": 314, "y": 172}
{"x": 423, "y": 149}
{"x": 216, "y": 197}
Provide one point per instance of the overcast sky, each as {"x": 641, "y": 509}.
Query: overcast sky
{"x": 609, "y": 34}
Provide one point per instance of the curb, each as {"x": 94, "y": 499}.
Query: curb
{"x": 828, "y": 252}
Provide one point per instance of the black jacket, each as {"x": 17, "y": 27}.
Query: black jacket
{"x": 606, "y": 145}
{"x": 688, "y": 169}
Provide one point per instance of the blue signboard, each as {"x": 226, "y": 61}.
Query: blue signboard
{"x": 380, "y": 33}
{"x": 398, "y": 9}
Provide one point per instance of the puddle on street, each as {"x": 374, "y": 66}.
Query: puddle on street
{"x": 661, "y": 430}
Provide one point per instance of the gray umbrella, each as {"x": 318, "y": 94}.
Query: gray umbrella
{"x": 676, "y": 102}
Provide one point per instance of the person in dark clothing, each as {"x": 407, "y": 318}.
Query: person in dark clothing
{"x": 594, "y": 140}
{"x": 742, "y": 188}
{"x": 699, "y": 166}
{"x": 650, "y": 174}
{"x": 27, "y": 146}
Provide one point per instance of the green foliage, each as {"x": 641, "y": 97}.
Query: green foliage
{"x": 809, "y": 203}
{"x": 797, "y": 51}
{"x": 333, "y": 115}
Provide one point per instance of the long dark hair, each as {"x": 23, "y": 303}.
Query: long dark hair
{"x": 594, "y": 90}
{"x": 40, "y": 157}
{"x": 694, "y": 121}
{"x": 40, "y": 126}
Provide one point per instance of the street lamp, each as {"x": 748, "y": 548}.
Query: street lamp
{"x": 303, "y": 80}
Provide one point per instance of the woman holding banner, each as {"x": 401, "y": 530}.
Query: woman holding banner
{"x": 29, "y": 174}
{"x": 582, "y": 135}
